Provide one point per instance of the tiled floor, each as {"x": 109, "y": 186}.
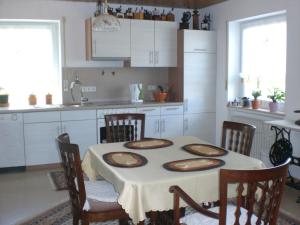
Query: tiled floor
{"x": 25, "y": 194}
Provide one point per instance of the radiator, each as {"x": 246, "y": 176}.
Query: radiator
{"x": 263, "y": 138}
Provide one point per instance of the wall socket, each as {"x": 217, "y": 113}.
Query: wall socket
{"x": 89, "y": 89}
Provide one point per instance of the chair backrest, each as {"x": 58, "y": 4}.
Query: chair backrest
{"x": 258, "y": 191}
{"x": 237, "y": 137}
{"x": 124, "y": 127}
{"x": 71, "y": 163}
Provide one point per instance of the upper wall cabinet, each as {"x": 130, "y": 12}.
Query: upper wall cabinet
{"x": 153, "y": 43}
{"x": 108, "y": 45}
{"x": 199, "y": 41}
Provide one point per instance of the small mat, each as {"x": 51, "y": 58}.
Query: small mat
{"x": 58, "y": 180}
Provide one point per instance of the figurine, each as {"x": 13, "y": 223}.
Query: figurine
{"x": 186, "y": 16}
{"x": 196, "y": 20}
{"x": 205, "y": 25}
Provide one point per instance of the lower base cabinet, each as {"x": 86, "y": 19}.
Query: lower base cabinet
{"x": 201, "y": 125}
{"x": 40, "y": 145}
{"x": 82, "y": 133}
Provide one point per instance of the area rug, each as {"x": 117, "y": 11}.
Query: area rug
{"x": 61, "y": 215}
{"x": 58, "y": 180}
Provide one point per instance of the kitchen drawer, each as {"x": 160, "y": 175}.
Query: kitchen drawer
{"x": 171, "y": 110}
{"x": 78, "y": 115}
{"x": 102, "y": 112}
{"x": 41, "y": 117}
{"x": 149, "y": 111}
{"x": 11, "y": 117}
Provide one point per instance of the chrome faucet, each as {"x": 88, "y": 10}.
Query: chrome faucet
{"x": 77, "y": 83}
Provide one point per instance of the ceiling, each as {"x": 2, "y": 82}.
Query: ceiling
{"x": 192, "y": 4}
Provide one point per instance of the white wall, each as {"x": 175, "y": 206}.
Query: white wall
{"x": 238, "y": 9}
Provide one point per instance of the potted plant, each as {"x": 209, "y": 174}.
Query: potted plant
{"x": 160, "y": 94}
{"x": 276, "y": 96}
{"x": 256, "y": 103}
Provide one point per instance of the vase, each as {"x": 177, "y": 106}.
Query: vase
{"x": 273, "y": 106}
{"x": 255, "y": 104}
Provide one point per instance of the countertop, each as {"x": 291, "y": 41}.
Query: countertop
{"x": 88, "y": 105}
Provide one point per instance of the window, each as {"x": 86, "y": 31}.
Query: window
{"x": 30, "y": 60}
{"x": 263, "y": 55}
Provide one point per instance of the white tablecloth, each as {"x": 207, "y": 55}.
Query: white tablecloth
{"x": 146, "y": 188}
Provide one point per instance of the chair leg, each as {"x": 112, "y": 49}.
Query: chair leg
{"x": 123, "y": 221}
{"x": 75, "y": 220}
{"x": 84, "y": 221}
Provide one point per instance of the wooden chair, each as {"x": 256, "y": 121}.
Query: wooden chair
{"x": 259, "y": 194}
{"x": 124, "y": 127}
{"x": 237, "y": 137}
{"x": 79, "y": 190}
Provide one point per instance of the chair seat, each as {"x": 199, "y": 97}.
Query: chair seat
{"x": 100, "y": 195}
{"x": 200, "y": 219}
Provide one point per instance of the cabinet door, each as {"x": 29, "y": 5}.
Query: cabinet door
{"x": 200, "y": 125}
{"x": 40, "y": 144}
{"x": 82, "y": 132}
{"x": 112, "y": 44}
{"x": 199, "y": 82}
{"x": 165, "y": 54}
{"x": 142, "y": 43}
{"x": 200, "y": 41}
{"x": 152, "y": 127}
{"x": 12, "y": 140}
{"x": 171, "y": 126}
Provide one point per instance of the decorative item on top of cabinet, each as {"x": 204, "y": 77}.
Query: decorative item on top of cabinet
{"x": 255, "y": 102}
{"x": 196, "y": 20}
{"x": 186, "y": 16}
{"x": 171, "y": 15}
{"x": 205, "y": 25}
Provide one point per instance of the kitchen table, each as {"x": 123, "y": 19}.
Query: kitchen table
{"x": 146, "y": 188}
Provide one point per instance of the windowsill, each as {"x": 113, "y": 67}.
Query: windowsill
{"x": 261, "y": 112}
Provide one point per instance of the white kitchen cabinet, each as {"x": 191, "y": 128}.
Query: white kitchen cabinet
{"x": 199, "y": 41}
{"x": 199, "y": 82}
{"x": 81, "y": 126}
{"x": 165, "y": 39}
{"x": 40, "y": 143}
{"x": 106, "y": 44}
{"x": 153, "y": 43}
{"x": 12, "y": 140}
{"x": 152, "y": 121}
{"x": 171, "y": 121}
{"x": 40, "y": 131}
{"x": 201, "y": 125}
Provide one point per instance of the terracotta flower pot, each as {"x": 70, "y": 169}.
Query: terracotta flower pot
{"x": 255, "y": 104}
{"x": 273, "y": 106}
{"x": 160, "y": 96}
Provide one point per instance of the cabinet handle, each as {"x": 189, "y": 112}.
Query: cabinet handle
{"x": 14, "y": 117}
{"x": 171, "y": 109}
{"x": 156, "y": 57}
{"x": 200, "y": 49}
{"x": 150, "y": 57}
{"x": 157, "y": 126}
{"x": 94, "y": 47}
{"x": 185, "y": 105}
{"x": 186, "y": 124}
{"x": 162, "y": 125}
{"x": 147, "y": 110}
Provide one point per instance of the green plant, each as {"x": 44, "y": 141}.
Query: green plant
{"x": 256, "y": 94}
{"x": 277, "y": 95}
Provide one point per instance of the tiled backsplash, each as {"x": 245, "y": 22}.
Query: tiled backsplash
{"x": 112, "y": 84}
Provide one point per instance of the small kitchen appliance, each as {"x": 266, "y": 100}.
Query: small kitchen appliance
{"x": 136, "y": 93}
